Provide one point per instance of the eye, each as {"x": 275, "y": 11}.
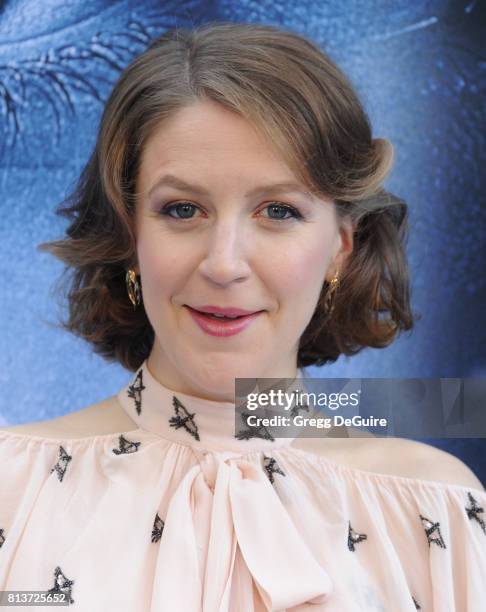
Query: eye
{"x": 283, "y": 208}
{"x": 185, "y": 209}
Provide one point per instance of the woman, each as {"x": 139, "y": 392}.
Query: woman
{"x": 234, "y": 173}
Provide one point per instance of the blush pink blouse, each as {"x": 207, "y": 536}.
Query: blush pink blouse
{"x": 183, "y": 515}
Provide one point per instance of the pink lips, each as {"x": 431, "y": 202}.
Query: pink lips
{"x": 229, "y": 312}
{"x": 214, "y": 327}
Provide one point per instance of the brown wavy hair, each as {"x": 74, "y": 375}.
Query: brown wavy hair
{"x": 297, "y": 97}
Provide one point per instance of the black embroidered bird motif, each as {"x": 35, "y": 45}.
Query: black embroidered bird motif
{"x": 62, "y": 463}
{"x": 183, "y": 418}
{"x": 294, "y": 411}
{"x": 417, "y": 605}
{"x": 126, "y": 446}
{"x": 431, "y": 528}
{"x": 474, "y": 511}
{"x": 271, "y": 467}
{"x": 2, "y": 537}
{"x": 253, "y": 432}
{"x": 354, "y": 537}
{"x": 62, "y": 584}
{"x": 134, "y": 391}
{"x": 157, "y": 528}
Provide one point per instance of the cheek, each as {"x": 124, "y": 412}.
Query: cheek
{"x": 161, "y": 265}
{"x": 301, "y": 272}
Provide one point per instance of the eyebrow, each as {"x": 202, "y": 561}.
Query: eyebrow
{"x": 169, "y": 180}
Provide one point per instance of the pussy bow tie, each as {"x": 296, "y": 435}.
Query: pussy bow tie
{"x": 224, "y": 514}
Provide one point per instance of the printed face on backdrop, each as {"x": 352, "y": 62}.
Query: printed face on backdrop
{"x": 217, "y": 233}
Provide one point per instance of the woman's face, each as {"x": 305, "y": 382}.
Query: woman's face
{"x": 230, "y": 239}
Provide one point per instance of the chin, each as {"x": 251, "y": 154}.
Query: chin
{"x": 220, "y": 374}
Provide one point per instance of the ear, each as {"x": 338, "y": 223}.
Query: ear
{"x": 344, "y": 246}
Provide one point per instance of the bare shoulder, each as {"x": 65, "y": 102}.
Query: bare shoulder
{"x": 431, "y": 463}
{"x": 101, "y": 418}
{"x": 395, "y": 457}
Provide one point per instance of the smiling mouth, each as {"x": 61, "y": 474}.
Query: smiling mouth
{"x": 221, "y": 318}
{"x": 222, "y": 326}
{"x": 210, "y": 315}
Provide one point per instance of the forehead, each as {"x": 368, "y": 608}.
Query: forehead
{"x": 208, "y": 138}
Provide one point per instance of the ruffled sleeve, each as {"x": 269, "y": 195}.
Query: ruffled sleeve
{"x": 410, "y": 541}
{"x": 56, "y": 499}
{"x": 25, "y": 464}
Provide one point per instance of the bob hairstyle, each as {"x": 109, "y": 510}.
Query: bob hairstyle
{"x": 297, "y": 98}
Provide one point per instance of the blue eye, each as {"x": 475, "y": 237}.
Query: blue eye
{"x": 181, "y": 206}
{"x": 185, "y": 209}
{"x": 283, "y": 208}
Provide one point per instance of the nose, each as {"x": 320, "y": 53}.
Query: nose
{"x": 226, "y": 253}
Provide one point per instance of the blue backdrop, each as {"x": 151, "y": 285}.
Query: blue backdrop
{"x": 420, "y": 70}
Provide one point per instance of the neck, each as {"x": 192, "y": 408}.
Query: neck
{"x": 194, "y": 421}
{"x": 224, "y": 387}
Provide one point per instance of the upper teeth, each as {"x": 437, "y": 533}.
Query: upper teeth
{"x": 225, "y": 316}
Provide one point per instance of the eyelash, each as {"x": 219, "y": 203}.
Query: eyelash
{"x": 169, "y": 207}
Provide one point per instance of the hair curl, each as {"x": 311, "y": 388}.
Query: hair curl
{"x": 299, "y": 99}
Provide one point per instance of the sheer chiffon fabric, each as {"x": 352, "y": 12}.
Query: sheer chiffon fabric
{"x": 181, "y": 514}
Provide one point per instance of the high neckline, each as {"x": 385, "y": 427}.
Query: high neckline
{"x": 205, "y": 425}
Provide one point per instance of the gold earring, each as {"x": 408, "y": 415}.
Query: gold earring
{"x": 329, "y": 297}
{"x": 133, "y": 287}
